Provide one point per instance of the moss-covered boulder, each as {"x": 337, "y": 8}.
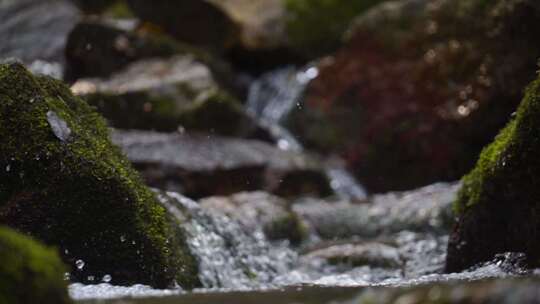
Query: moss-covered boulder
{"x": 316, "y": 27}
{"x": 499, "y": 203}
{"x": 29, "y": 272}
{"x": 421, "y": 87}
{"x": 198, "y": 22}
{"x": 64, "y": 183}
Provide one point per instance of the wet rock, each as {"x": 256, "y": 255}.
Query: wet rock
{"x": 97, "y": 49}
{"x": 498, "y": 204}
{"x": 30, "y": 272}
{"x": 36, "y": 30}
{"x": 206, "y": 165}
{"x": 427, "y": 209}
{"x": 197, "y": 22}
{"x": 64, "y": 183}
{"x": 259, "y": 210}
{"x": 316, "y": 27}
{"x": 420, "y": 88}
{"x": 372, "y": 254}
{"x": 165, "y": 95}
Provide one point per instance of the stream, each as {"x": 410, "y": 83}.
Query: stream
{"x": 355, "y": 243}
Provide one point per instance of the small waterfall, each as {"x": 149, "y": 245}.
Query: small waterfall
{"x": 229, "y": 256}
{"x": 272, "y": 97}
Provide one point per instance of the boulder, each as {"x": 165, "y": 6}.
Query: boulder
{"x": 499, "y": 203}
{"x": 30, "y": 272}
{"x": 198, "y": 22}
{"x": 165, "y": 95}
{"x": 259, "y": 209}
{"x": 64, "y": 183}
{"x": 427, "y": 209}
{"x": 420, "y": 88}
{"x": 199, "y": 165}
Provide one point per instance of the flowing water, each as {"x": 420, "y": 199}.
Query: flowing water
{"x": 352, "y": 241}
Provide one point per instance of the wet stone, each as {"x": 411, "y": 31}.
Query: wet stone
{"x": 201, "y": 165}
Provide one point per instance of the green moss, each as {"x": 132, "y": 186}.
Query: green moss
{"x": 29, "y": 272}
{"x": 78, "y": 193}
{"x": 317, "y": 26}
{"x": 507, "y": 165}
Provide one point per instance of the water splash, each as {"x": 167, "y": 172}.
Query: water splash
{"x": 229, "y": 255}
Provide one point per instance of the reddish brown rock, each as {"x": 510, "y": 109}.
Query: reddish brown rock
{"x": 421, "y": 87}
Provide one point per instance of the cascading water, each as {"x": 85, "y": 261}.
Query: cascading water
{"x": 399, "y": 239}
{"x": 229, "y": 256}
{"x": 272, "y": 97}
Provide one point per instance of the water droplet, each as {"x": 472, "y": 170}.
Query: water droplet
{"x": 107, "y": 278}
{"x": 66, "y": 251}
{"x": 8, "y": 168}
{"x": 67, "y": 276}
{"x": 79, "y": 264}
{"x": 122, "y": 238}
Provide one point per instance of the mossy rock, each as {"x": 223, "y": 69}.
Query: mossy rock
{"x": 64, "y": 183}
{"x": 168, "y": 94}
{"x": 29, "y": 272}
{"x": 316, "y": 27}
{"x": 427, "y": 86}
{"x": 499, "y": 203}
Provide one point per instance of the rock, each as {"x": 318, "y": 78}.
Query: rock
{"x": 261, "y": 22}
{"x": 64, "y": 183}
{"x": 165, "y": 94}
{"x": 197, "y": 22}
{"x": 263, "y": 44}
{"x": 371, "y": 254}
{"x": 97, "y": 49}
{"x": 207, "y": 165}
{"x": 423, "y": 210}
{"x": 36, "y": 30}
{"x": 498, "y": 204}
{"x": 420, "y": 88}
{"x": 30, "y": 272}
{"x": 316, "y": 27}
{"x": 259, "y": 209}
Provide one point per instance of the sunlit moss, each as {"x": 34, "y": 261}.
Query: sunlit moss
{"x": 509, "y": 163}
